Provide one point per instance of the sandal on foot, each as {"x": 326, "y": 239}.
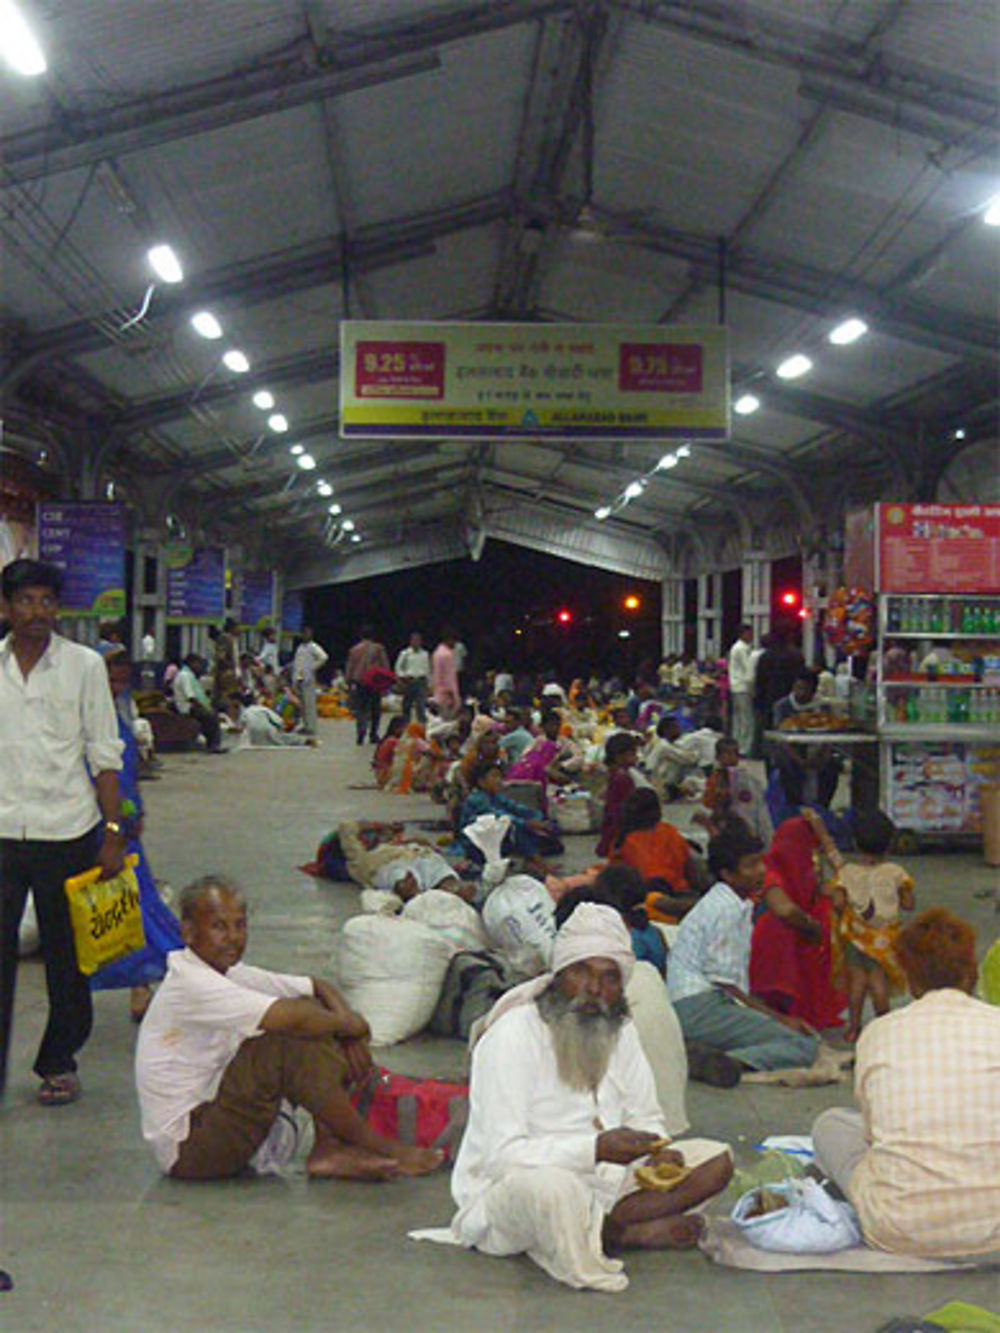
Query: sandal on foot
{"x": 59, "y": 1090}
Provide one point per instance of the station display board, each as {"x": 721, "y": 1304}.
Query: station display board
{"x": 257, "y": 599}
{"x": 196, "y": 584}
{"x": 292, "y": 612}
{"x": 86, "y": 541}
{"x": 528, "y": 381}
{"x": 928, "y": 548}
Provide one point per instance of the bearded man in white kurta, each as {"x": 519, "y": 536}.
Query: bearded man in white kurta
{"x": 562, "y": 1106}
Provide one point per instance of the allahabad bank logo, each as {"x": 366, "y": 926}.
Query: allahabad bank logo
{"x": 895, "y": 515}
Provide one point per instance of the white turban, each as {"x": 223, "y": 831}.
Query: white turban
{"x": 594, "y": 930}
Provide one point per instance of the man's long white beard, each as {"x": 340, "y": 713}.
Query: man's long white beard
{"x": 583, "y": 1040}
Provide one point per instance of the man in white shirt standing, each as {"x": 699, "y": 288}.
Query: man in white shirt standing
{"x": 742, "y": 669}
{"x": 225, "y": 1050}
{"x": 309, "y": 658}
{"x": 57, "y": 721}
{"x": 562, "y": 1102}
{"x": 268, "y": 655}
{"x": 413, "y": 668}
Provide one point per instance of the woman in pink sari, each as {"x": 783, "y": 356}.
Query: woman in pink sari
{"x": 790, "y": 960}
{"x": 541, "y": 761}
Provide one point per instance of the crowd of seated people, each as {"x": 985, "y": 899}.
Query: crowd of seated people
{"x": 753, "y": 952}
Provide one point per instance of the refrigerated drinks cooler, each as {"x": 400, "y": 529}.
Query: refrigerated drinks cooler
{"x": 938, "y": 664}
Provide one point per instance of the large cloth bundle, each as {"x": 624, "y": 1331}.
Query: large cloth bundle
{"x": 519, "y": 917}
{"x": 450, "y": 916}
{"x": 797, "y": 1217}
{"x": 391, "y": 970}
{"x": 574, "y": 812}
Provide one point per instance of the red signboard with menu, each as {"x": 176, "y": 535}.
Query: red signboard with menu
{"x": 938, "y": 548}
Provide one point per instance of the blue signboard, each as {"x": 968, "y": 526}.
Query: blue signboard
{"x": 292, "y": 612}
{"x": 257, "y": 603}
{"x": 86, "y": 540}
{"x": 196, "y": 584}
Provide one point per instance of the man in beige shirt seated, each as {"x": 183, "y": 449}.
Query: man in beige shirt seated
{"x": 921, "y": 1159}
{"x": 226, "y": 1050}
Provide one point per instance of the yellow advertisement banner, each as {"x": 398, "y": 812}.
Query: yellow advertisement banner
{"x": 526, "y": 381}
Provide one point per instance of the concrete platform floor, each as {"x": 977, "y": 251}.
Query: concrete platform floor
{"x": 96, "y": 1240}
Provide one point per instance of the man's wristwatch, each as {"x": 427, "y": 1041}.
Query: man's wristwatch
{"x": 111, "y": 826}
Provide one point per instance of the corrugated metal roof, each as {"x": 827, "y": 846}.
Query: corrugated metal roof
{"x": 691, "y": 134}
{"x": 423, "y": 142}
{"x": 170, "y": 41}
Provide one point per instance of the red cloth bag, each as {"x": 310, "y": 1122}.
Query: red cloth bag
{"x": 425, "y": 1112}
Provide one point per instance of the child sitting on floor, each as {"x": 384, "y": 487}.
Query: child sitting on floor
{"x": 867, "y": 897}
{"x": 733, "y": 791}
{"x": 619, "y": 757}
{"x": 386, "y": 749}
{"x": 660, "y": 855}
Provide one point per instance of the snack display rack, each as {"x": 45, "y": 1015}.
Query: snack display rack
{"x": 937, "y": 665}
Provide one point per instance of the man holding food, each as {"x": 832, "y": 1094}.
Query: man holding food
{"x": 565, "y": 1155}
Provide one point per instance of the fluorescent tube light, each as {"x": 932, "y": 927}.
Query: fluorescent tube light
{"x": 205, "y": 324}
{"x": 236, "y": 361}
{"x": 19, "y": 46}
{"x": 848, "y": 332}
{"x": 165, "y": 264}
{"x": 794, "y": 367}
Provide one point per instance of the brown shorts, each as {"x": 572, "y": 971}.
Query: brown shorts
{"x": 226, "y": 1132}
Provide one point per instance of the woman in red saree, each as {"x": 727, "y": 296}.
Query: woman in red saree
{"x": 790, "y": 959}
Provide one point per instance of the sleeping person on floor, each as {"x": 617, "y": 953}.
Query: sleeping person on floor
{"x": 226, "y": 1051}
{"x": 564, "y": 1124}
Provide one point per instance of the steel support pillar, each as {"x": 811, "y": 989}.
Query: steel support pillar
{"x": 755, "y": 602}
{"x": 709, "y": 616}
{"x": 672, "y": 620}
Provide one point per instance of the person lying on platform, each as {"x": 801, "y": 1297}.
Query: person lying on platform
{"x": 424, "y": 870}
{"x": 225, "y": 1050}
{"x": 562, "y": 1103}
{"x": 262, "y": 726}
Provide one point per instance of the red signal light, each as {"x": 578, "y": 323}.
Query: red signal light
{"x": 790, "y": 598}
{"x": 564, "y": 617}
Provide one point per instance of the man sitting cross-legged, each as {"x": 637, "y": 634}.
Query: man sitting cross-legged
{"x": 708, "y": 973}
{"x": 562, "y": 1102}
{"x": 224, "y": 1048}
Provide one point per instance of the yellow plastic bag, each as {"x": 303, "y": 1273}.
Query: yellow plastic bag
{"x": 989, "y": 975}
{"x": 106, "y": 916}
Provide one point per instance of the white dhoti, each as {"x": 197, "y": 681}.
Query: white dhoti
{"x": 550, "y": 1214}
{"x": 556, "y": 1216}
